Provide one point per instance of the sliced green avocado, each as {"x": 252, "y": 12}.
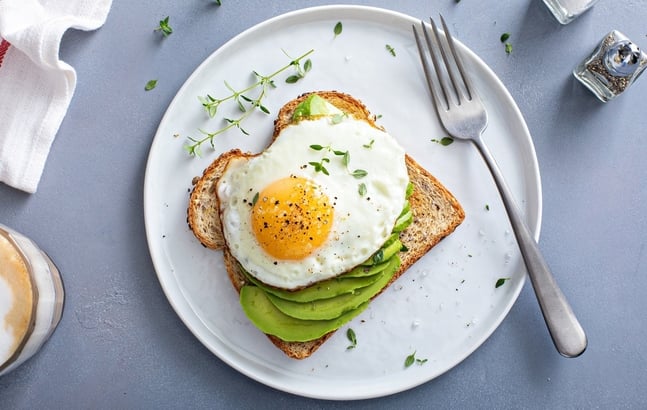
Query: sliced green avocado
{"x": 404, "y": 220}
{"x": 322, "y": 290}
{"x": 314, "y": 106}
{"x": 386, "y": 252}
{"x": 361, "y": 270}
{"x": 270, "y": 320}
{"x": 331, "y": 308}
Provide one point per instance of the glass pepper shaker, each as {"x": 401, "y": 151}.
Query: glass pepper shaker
{"x": 566, "y": 11}
{"x": 612, "y": 67}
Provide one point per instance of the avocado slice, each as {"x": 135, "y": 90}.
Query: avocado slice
{"x": 404, "y": 219}
{"x": 314, "y": 106}
{"x": 266, "y": 317}
{"x": 361, "y": 270}
{"x": 331, "y": 308}
{"x": 386, "y": 252}
{"x": 321, "y": 290}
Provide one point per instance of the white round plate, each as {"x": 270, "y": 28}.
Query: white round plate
{"x": 446, "y": 305}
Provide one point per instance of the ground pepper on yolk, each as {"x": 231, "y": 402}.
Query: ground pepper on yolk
{"x": 292, "y": 218}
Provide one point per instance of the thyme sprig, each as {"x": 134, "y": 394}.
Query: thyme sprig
{"x": 411, "y": 359}
{"x": 246, "y": 104}
{"x": 164, "y": 27}
{"x": 345, "y": 160}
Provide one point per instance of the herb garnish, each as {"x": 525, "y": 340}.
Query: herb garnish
{"x": 301, "y": 72}
{"x": 319, "y": 166}
{"x": 411, "y": 359}
{"x": 218, "y": 2}
{"x": 338, "y": 28}
{"x": 164, "y": 27}
{"x": 150, "y": 85}
{"x": 345, "y": 160}
{"x": 500, "y": 282}
{"x": 247, "y": 105}
{"x": 378, "y": 257}
{"x": 445, "y": 141}
{"x": 350, "y": 334}
{"x": 369, "y": 145}
{"x": 361, "y": 188}
{"x": 504, "y": 39}
{"x": 390, "y": 49}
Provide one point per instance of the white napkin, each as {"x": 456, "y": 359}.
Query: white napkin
{"x": 35, "y": 86}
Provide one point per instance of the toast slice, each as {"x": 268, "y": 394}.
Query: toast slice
{"x": 436, "y": 211}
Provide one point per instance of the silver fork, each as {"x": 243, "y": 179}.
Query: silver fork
{"x": 464, "y": 117}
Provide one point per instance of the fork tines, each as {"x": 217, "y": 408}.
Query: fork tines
{"x": 455, "y": 85}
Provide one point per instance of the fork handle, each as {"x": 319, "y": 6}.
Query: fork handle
{"x": 565, "y": 330}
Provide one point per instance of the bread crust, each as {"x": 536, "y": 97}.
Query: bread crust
{"x": 436, "y": 211}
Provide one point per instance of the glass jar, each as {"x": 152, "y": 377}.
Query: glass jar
{"x": 566, "y": 11}
{"x": 31, "y": 298}
{"x": 612, "y": 67}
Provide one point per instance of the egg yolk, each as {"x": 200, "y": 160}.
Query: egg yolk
{"x": 291, "y": 218}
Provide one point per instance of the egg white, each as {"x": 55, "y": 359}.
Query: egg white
{"x": 361, "y": 223}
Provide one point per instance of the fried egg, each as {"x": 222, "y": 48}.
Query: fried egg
{"x": 320, "y": 200}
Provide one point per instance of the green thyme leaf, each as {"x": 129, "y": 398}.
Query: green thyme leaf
{"x": 218, "y": 2}
{"x": 316, "y": 147}
{"x": 445, "y": 141}
{"x": 359, "y": 173}
{"x": 350, "y": 335}
{"x": 410, "y": 359}
{"x": 369, "y": 145}
{"x": 164, "y": 27}
{"x": 150, "y": 85}
{"x": 508, "y": 48}
{"x": 319, "y": 166}
{"x": 500, "y": 282}
{"x": 505, "y": 37}
{"x": 390, "y": 49}
{"x": 378, "y": 257}
{"x": 292, "y": 79}
{"x": 346, "y": 159}
{"x": 487, "y": 207}
{"x": 338, "y": 28}
{"x": 255, "y": 199}
{"x": 361, "y": 188}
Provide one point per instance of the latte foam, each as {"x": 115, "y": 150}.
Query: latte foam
{"x": 16, "y": 300}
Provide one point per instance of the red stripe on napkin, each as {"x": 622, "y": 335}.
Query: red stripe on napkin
{"x": 4, "y": 46}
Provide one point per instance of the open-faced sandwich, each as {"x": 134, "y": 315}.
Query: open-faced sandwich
{"x": 321, "y": 222}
